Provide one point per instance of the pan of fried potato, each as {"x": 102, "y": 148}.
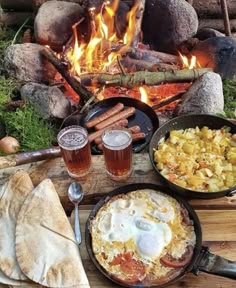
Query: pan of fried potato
{"x": 195, "y": 155}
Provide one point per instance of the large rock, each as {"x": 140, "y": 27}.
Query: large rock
{"x": 218, "y": 53}
{"x": 25, "y": 63}
{"x": 49, "y": 102}
{"x": 205, "y": 96}
{"x": 168, "y": 23}
{"x": 53, "y": 22}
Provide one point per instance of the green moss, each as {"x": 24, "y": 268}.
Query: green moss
{"x": 229, "y": 88}
{"x": 25, "y": 124}
{"x": 29, "y": 128}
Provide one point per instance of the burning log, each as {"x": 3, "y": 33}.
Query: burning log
{"x": 142, "y": 78}
{"x": 152, "y": 56}
{"x": 82, "y": 91}
{"x": 141, "y": 65}
{"x": 29, "y": 157}
{"x": 138, "y": 22}
{"x": 168, "y": 101}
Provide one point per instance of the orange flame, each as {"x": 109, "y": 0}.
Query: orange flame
{"x": 98, "y": 55}
{"x": 144, "y": 95}
{"x": 189, "y": 64}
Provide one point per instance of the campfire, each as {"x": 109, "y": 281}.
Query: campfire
{"x": 113, "y": 64}
{"x": 107, "y": 49}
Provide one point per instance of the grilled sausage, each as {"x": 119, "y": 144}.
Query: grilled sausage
{"x": 97, "y": 134}
{"x": 121, "y": 115}
{"x": 134, "y": 130}
{"x": 138, "y": 136}
{"x": 110, "y": 112}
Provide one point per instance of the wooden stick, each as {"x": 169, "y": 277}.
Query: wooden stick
{"x": 138, "y": 22}
{"x": 82, "y": 91}
{"x": 167, "y": 101}
{"x": 141, "y": 65}
{"x": 154, "y": 56}
{"x": 29, "y": 157}
{"x": 143, "y": 78}
{"x": 224, "y": 9}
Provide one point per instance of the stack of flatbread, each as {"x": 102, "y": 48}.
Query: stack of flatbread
{"x": 37, "y": 243}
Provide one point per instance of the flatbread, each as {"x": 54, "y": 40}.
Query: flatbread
{"x": 8, "y": 281}
{"x": 12, "y": 196}
{"x": 45, "y": 243}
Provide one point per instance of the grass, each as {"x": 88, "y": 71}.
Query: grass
{"x": 29, "y": 128}
{"x": 229, "y": 88}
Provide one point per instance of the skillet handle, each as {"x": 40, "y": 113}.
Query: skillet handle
{"x": 214, "y": 264}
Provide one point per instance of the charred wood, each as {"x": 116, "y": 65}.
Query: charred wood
{"x": 168, "y": 101}
{"x": 82, "y": 91}
{"x": 152, "y": 56}
{"x": 141, "y": 65}
{"x": 138, "y": 22}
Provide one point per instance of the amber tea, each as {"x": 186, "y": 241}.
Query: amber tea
{"x": 117, "y": 149}
{"x": 75, "y": 149}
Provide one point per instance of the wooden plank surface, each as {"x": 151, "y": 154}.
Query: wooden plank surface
{"x": 216, "y": 216}
{"x": 98, "y": 182}
{"x": 220, "y": 247}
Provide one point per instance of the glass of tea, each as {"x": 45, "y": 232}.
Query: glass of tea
{"x": 117, "y": 150}
{"x": 75, "y": 149}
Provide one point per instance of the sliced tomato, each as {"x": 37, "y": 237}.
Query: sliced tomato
{"x": 132, "y": 267}
{"x": 128, "y": 280}
{"x": 116, "y": 260}
{"x": 169, "y": 261}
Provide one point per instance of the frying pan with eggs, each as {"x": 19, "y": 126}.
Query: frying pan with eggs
{"x": 148, "y": 239}
{"x": 182, "y": 123}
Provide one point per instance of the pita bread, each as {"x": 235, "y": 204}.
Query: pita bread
{"x": 12, "y": 195}
{"x": 45, "y": 243}
{"x": 8, "y": 281}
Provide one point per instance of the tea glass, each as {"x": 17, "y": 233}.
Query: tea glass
{"x": 117, "y": 150}
{"x": 75, "y": 149}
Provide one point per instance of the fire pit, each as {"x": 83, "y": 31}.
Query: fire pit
{"x": 106, "y": 49}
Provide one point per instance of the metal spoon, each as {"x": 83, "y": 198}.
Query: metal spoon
{"x": 75, "y": 193}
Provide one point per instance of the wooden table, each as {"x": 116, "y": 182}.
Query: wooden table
{"x": 217, "y": 216}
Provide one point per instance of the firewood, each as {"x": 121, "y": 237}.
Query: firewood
{"x": 141, "y": 65}
{"x": 168, "y": 101}
{"x": 216, "y": 24}
{"x": 225, "y": 13}
{"x": 130, "y": 80}
{"x": 82, "y": 91}
{"x": 151, "y": 55}
{"x": 138, "y": 22}
{"x": 29, "y": 157}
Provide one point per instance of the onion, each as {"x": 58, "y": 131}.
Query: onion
{"x": 9, "y": 145}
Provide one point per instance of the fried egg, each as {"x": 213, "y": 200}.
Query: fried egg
{"x": 146, "y": 224}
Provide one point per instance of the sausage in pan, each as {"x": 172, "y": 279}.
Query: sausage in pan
{"x": 97, "y": 134}
{"x": 110, "y": 112}
{"x": 121, "y": 115}
{"x": 134, "y": 130}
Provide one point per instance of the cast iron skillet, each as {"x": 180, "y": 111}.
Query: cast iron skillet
{"x": 144, "y": 116}
{"x": 202, "y": 259}
{"x": 183, "y": 122}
